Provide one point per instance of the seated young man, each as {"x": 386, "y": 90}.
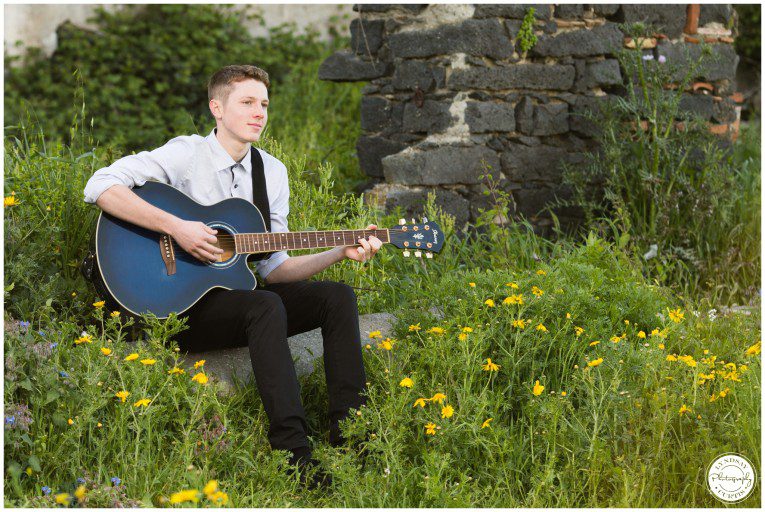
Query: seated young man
{"x": 211, "y": 169}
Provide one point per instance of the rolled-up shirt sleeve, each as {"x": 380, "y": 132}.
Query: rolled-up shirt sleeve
{"x": 165, "y": 164}
{"x": 280, "y": 209}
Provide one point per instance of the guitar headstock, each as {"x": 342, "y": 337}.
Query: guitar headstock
{"x": 425, "y": 237}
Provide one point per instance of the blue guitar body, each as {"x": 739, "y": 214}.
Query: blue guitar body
{"x": 132, "y": 267}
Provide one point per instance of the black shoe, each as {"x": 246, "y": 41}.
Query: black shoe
{"x": 308, "y": 469}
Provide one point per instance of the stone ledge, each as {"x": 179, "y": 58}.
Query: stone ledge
{"x": 230, "y": 365}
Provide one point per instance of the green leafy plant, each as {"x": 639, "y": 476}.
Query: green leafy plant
{"x": 526, "y": 37}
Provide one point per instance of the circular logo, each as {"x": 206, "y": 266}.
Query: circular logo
{"x": 731, "y": 478}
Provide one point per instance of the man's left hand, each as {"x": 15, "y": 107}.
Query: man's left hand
{"x": 367, "y": 249}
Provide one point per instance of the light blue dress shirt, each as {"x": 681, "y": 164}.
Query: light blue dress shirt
{"x": 200, "y": 168}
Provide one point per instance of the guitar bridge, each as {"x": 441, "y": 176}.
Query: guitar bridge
{"x": 168, "y": 253}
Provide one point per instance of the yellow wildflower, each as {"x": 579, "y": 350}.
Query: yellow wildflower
{"x": 655, "y": 332}
{"x": 489, "y": 303}
{"x": 99, "y": 304}
{"x": 537, "y": 291}
{"x": 684, "y": 409}
{"x": 661, "y": 346}
{"x": 99, "y": 424}
{"x": 486, "y": 423}
{"x": 415, "y": 327}
{"x": 10, "y": 201}
{"x": 200, "y": 378}
{"x": 537, "y": 389}
{"x": 436, "y": 330}
{"x": 122, "y": 395}
{"x": 520, "y": 323}
{"x": 626, "y": 322}
{"x": 578, "y": 331}
{"x": 375, "y": 334}
{"x": 106, "y": 351}
{"x": 490, "y": 367}
{"x": 541, "y": 272}
{"x": 210, "y": 488}
{"x": 541, "y": 327}
{"x": 676, "y": 315}
{"x": 568, "y": 316}
{"x": 175, "y": 370}
{"x": 615, "y": 339}
{"x": 563, "y": 393}
{"x": 513, "y": 299}
{"x": 420, "y": 402}
{"x": 754, "y": 349}
{"x": 462, "y": 336}
{"x": 80, "y": 493}
{"x": 406, "y": 382}
{"x": 596, "y": 342}
{"x": 430, "y": 429}
{"x": 148, "y": 362}
{"x": 131, "y": 357}
{"x": 595, "y": 362}
{"x": 200, "y": 363}
{"x": 724, "y": 392}
{"x": 671, "y": 357}
{"x": 687, "y": 360}
{"x": 512, "y": 285}
{"x": 467, "y": 329}
{"x": 83, "y": 339}
{"x": 447, "y": 412}
{"x": 183, "y": 496}
{"x": 219, "y": 497}
{"x": 114, "y": 314}
{"x": 472, "y": 285}
{"x": 143, "y": 402}
{"x": 386, "y": 344}
{"x": 63, "y": 498}
{"x": 438, "y": 397}
{"x": 70, "y": 421}
{"x": 367, "y": 346}
{"x": 641, "y": 335}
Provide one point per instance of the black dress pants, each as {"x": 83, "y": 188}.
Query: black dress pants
{"x": 262, "y": 319}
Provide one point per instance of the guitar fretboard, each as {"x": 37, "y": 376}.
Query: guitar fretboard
{"x": 250, "y": 243}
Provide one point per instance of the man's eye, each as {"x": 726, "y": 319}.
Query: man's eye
{"x": 247, "y": 102}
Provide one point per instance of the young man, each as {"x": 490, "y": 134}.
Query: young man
{"x": 211, "y": 169}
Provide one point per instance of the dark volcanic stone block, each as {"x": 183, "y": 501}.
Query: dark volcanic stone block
{"x": 490, "y": 117}
{"x": 605, "y": 39}
{"x": 371, "y": 151}
{"x": 380, "y": 114}
{"x": 550, "y": 119}
{"x": 411, "y": 74}
{"x": 526, "y": 76}
{"x": 346, "y": 67}
{"x": 474, "y": 37}
{"x": 432, "y": 117}
{"x": 518, "y": 11}
{"x": 720, "y": 65}
{"x": 366, "y": 35}
{"x": 442, "y": 165}
{"x": 668, "y": 19}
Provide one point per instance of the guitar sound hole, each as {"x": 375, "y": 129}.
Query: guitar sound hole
{"x": 225, "y": 242}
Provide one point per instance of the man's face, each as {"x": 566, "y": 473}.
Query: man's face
{"x": 245, "y": 112}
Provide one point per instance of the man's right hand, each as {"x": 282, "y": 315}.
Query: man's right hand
{"x": 196, "y": 238}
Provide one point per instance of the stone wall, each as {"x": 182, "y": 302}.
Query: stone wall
{"x": 450, "y": 95}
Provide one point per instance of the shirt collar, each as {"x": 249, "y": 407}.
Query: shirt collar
{"x": 221, "y": 159}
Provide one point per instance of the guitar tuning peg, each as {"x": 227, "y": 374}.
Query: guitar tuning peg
{"x": 424, "y": 220}
{"x": 401, "y": 222}
{"x": 418, "y": 254}
{"x": 414, "y": 221}
{"x": 406, "y": 254}
{"x": 429, "y": 255}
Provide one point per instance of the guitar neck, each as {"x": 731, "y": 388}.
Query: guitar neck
{"x": 252, "y": 243}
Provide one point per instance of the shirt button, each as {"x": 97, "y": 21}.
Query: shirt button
{"x": 236, "y": 186}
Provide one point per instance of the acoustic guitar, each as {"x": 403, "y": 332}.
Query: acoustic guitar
{"x": 147, "y": 272}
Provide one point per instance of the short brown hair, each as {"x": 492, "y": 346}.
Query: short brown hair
{"x": 221, "y": 82}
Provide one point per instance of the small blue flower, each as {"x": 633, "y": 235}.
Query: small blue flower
{"x": 80, "y": 480}
{"x": 53, "y": 345}
{"x": 24, "y": 325}
{"x": 116, "y": 480}
{"x": 46, "y": 490}
{"x": 41, "y": 332}
{"x": 63, "y": 374}
{"x": 10, "y": 420}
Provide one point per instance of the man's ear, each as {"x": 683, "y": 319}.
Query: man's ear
{"x": 216, "y": 109}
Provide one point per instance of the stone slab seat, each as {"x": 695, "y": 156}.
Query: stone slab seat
{"x": 230, "y": 365}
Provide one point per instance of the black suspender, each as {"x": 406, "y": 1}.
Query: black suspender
{"x": 260, "y": 193}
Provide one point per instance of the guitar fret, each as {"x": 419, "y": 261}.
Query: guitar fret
{"x": 290, "y": 240}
